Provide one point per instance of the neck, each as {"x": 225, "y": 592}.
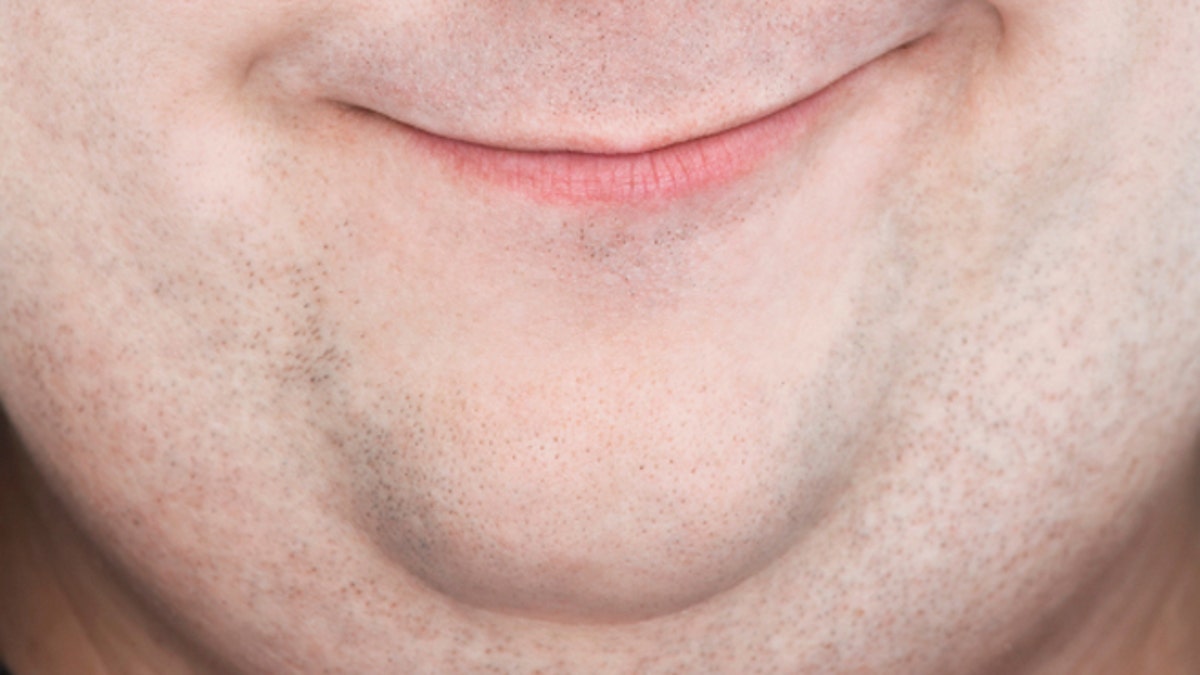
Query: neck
{"x": 66, "y": 612}
{"x": 1141, "y": 614}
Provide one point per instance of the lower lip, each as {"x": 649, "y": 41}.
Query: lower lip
{"x": 662, "y": 174}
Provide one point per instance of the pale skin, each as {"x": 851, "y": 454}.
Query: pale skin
{"x": 916, "y": 392}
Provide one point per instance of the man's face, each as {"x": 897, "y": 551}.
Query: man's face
{"x": 339, "y": 310}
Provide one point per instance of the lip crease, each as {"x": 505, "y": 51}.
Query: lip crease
{"x": 656, "y": 174}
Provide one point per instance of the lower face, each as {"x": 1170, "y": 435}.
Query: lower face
{"x": 279, "y": 359}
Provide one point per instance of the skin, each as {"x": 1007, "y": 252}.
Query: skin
{"x": 919, "y": 393}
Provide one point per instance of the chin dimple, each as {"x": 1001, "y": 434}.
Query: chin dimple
{"x": 576, "y": 529}
{"x": 577, "y": 567}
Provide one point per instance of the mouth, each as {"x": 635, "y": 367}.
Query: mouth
{"x": 659, "y": 173}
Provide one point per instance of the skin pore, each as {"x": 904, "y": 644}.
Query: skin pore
{"x": 291, "y": 388}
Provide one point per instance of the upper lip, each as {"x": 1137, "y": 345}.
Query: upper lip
{"x": 640, "y": 136}
{"x": 641, "y": 142}
{"x": 424, "y": 85}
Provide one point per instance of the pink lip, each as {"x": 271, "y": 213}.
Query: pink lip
{"x": 663, "y": 173}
